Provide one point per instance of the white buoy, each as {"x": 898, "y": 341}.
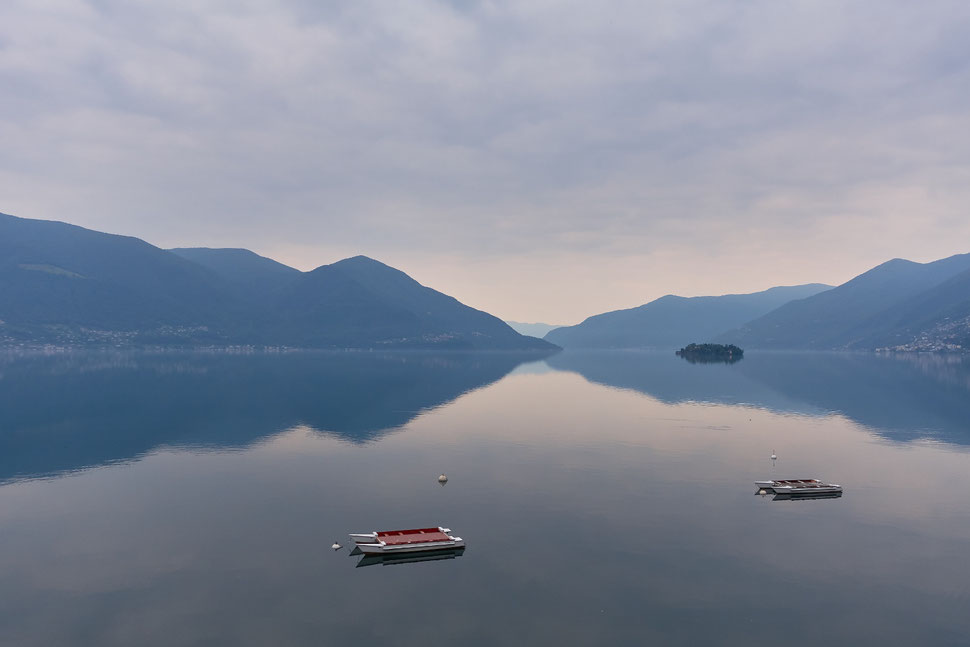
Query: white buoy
{"x": 762, "y": 492}
{"x": 773, "y": 455}
{"x": 336, "y": 546}
{"x": 442, "y": 479}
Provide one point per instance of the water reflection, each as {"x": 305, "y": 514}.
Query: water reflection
{"x": 594, "y": 516}
{"x": 63, "y": 412}
{"x": 408, "y": 558}
{"x": 693, "y": 359}
{"x": 900, "y": 397}
{"x": 806, "y": 497}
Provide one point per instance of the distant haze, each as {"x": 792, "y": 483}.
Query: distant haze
{"x": 532, "y": 329}
{"x": 540, "y": 161}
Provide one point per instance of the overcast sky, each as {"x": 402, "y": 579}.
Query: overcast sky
{"x": 544, "y": 161}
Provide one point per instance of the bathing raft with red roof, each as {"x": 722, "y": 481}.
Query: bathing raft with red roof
{"x": 799, "y": 486}
{"x": 406, "y": 541}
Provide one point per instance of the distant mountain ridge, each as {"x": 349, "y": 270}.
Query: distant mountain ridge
{"x": 532, "y": 329}
{"x": 332, "y": 304}
{"x": 64, "y": 284}
{"x": 671, "y": 322}
{"x": 891, "y": 305}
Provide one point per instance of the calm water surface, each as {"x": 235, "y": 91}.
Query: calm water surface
{"x": 605, "y": 498}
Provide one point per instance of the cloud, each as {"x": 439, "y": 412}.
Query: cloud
{"x": 704, "y": 146}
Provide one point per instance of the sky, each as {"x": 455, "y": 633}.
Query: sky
{"x": 543, "y": 161}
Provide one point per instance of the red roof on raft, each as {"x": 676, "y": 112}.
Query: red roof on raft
{"x": 414, "y": 536}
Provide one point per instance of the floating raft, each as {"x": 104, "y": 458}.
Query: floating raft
{"x": 406, "y": 541}
{"x": 799, "y": 486}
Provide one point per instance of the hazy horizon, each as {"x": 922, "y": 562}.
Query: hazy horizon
{"x": 539, "y": 161}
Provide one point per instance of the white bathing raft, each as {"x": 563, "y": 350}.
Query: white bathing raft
{"x": 799, "y": 486}
{"x": 387, "y": 542}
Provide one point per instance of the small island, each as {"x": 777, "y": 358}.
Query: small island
{"x": 710, "y": 353}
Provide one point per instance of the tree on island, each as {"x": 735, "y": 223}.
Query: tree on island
{"x": 709, "y": 353}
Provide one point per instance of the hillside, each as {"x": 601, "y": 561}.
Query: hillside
{"x": 360, "y": 299}
{"x": 672, "y": 321}
{"x": 67, "y": 285}
{"x": 56, "y": 276}
{"x": 255, "y": 276}
{"x": 886, "y": 304}
{"x": 935, "y": 319}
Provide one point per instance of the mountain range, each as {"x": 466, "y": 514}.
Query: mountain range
{"x": 672, "y": 321}
{"x": 899, "y": 304}
{"x": 64, "y": 284}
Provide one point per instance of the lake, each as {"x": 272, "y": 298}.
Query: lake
{"x": 605, "y": 498}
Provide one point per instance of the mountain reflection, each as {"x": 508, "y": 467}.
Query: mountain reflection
{"x": 64, "y": 412}
{"x": 900, "y": 397}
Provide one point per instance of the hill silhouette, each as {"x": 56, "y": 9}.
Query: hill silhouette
{"x": 940, "y": 315}
{"x": 891, "y": 303}
{"x": 54, "y": 275}
{"x": 672, "y": 321}
{"x": 67, "y": 285}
